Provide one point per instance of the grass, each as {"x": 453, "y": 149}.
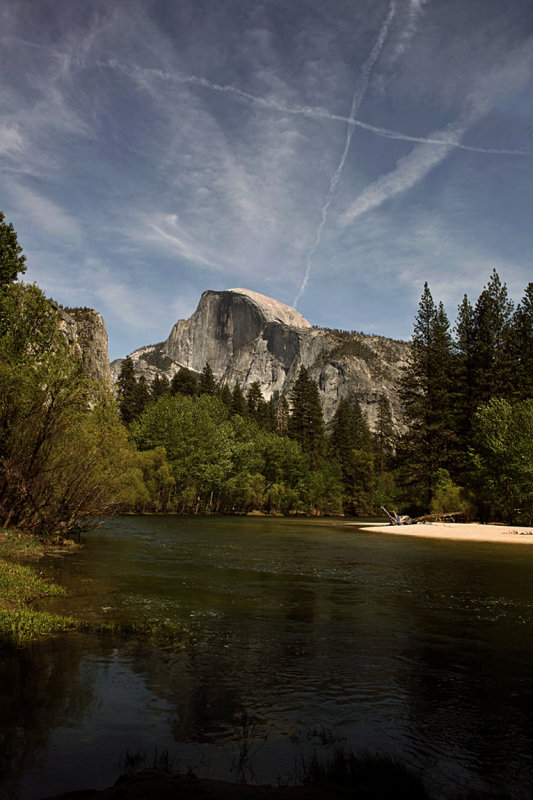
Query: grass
{"x": 21, "y": 586}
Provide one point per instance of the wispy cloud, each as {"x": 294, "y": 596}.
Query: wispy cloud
{"x": 413, "y": 168}
{"x": 166, "y": 230}
{"x": 142, "y": 74}
{"x": 357, "y": 99}
{"x": 48, "y": 215}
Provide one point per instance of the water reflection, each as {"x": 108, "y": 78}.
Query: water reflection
{"x": 418, "y": 649}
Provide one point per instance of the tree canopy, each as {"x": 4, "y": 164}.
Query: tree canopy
{"x": 12, "y": 261}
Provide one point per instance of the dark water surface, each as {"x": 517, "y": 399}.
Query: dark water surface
{"x": 421, "y": 649}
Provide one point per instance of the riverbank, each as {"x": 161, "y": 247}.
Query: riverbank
{"x": 343, "y": 776}
{"x": 20, "y": 587}
{"x": 454, "y": 531}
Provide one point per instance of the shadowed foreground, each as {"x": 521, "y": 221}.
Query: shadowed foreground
{"x": 372, "y": 782}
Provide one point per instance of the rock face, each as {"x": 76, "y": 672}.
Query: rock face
{"x": 85, "y": 330}
{"x": 247, "y": 337}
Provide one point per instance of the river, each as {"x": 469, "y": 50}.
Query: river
{"x": 316, "y": 632}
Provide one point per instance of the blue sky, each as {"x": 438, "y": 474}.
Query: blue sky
{"x": 334, "y": 155}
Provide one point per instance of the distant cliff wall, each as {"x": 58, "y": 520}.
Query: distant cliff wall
{"x": 85, "y": 330}
{"x": 247, "y": 337}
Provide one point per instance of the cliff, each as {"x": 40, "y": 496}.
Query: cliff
{"x": 86, "y": 332}
{"x": 247, "y": 337}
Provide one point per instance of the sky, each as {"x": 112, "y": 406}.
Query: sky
{"x": 333, "y": 156}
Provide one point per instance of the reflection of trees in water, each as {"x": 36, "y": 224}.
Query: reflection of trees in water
{"x": 41, "y": 685}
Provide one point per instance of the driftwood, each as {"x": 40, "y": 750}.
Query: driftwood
{"x": 453, "y": 516}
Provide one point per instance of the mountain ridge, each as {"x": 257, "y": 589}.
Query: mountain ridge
{"x": 248, "y": 337}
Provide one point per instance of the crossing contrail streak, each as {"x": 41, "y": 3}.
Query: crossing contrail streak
{"x": 358, "y": 97}
{"x": 313, "y": 112}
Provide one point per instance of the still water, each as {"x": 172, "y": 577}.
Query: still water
{"x": 319, "y": 632}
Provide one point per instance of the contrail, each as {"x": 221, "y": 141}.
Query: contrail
{"x": 313, "y": 112}
{"x": 358, "y": 97}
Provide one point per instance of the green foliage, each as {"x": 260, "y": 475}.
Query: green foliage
{"x": 62, "y": 463}
{"x": 493, "y": 374}
{"x": 427, "y": 393}
{"x": 350, "y": 445}
{"x": 12, "y": 262}
{"x": 448, "y": 497}
{"x": 127, "y": 391}
{"x": 306, "y": 422}
{"x": 160, "y": 386}
{"x": 19, "y": 624}
{"x": 502, "y": 459}
{"x": 238, "y": 401}
{"x": 522, "y": 346}
{"x": 184, "y": 382}
{"x": 207, "y": 383}
{"x": 210, "y": 460}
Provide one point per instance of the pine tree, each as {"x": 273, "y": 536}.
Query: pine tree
{"x": 127, "y": 391}
{"x": 282, "y": 414}
{"x": 184, "y": 382}
{"x": 427, "y": 397}
{"x": 207, "y": 383}
{"x": 493, "y": 371}
{"x": 384, "y": 434}
{"x": 306, "y": 423}
{"x": 238, "y": 401}
{"x": 350, "y": 444}
{"x": 466, "y": 400}
{"x": 226, "y": 396}
{"x": 254, "y": 398}
{"x": 11, "y": 259}
{"x": 142, "y": 396}
{"x": 522, "y": 338}
{"x": 160, "y": 387}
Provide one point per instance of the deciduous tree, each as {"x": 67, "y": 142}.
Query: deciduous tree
{"x": 12, "y": 262}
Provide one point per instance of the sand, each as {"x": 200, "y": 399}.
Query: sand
{"x": 466, "y": 532}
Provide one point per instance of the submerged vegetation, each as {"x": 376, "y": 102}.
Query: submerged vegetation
{"x": 20, "y": 586}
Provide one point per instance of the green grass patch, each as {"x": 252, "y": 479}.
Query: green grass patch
{"x": 20, "y": 626}
{"x": 15, "y": 545}
{"x": 21, "y": 585}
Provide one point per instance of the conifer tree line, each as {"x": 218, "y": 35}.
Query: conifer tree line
{"x": 467, "y": 395}
{"x": 71, "y": 451}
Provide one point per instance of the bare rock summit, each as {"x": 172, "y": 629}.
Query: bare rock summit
{"x": 247, "y": 337}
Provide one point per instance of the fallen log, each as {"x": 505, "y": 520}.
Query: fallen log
{"x": 453, "y": 516}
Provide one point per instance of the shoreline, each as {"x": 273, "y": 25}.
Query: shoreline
{"x": 457, "y": 531}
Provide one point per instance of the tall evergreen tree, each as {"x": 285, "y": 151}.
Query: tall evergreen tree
{"x": 282, "y": 414}
{"x": 226, "y": 396}
{"x": 207, "y": 383}
{"x": 465, "y": 366}
{"x": 493, "y": 370}
{"x": 350, "y": 444}
{"x": 427, "y": 396}
{"x": 306, "y": 423}
{"x": 142, "y": 395}
{"x": 160, "y": 386}
{"x": 238, "y": 401}
{"x": 11, "y": 259}
{"x": 522, "y": 338}
{"x": 127, "y": 391}
{"x": 384, "y": 434}
{"x": 254, "y": 398}
{"x": 184, "y": 382}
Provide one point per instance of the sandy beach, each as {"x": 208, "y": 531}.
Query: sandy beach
{"x": 468, "y": 532}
